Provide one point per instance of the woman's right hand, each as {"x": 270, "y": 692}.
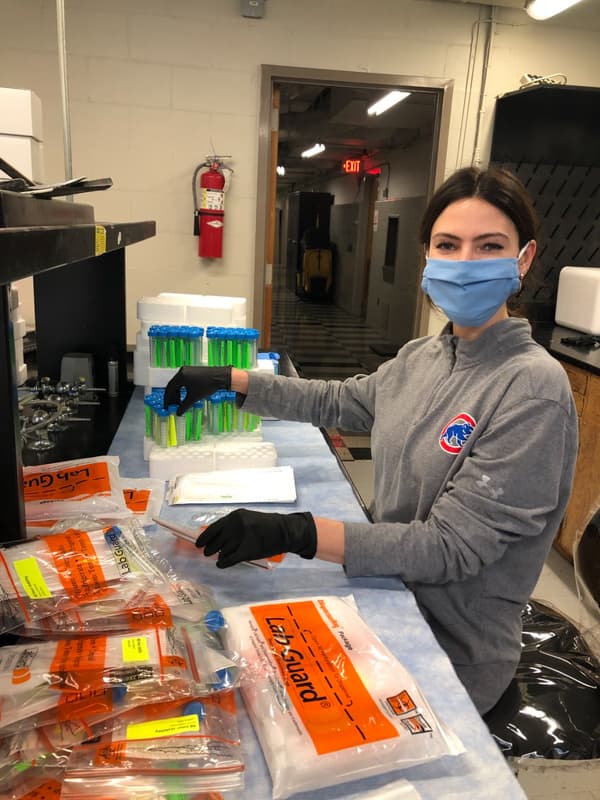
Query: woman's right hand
{"x": 198, "y": 382}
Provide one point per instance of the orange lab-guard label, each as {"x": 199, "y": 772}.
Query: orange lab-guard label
{"x": 84, "y": 705}
{"x": 156, "y": 612}
{"x": 77, "y": 564}
{"x": 78, "y": 664}
{"x": 48, "y": 790}
{"x": 325, "y": 689}
{"x": 136, "y": 500}
{"x": 67, "y": 483}
{"x": 401, "y": 703}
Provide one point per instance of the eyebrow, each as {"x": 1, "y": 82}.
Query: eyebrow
{"x": 477, "y": 238}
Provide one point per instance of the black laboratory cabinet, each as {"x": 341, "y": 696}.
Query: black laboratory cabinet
{"x": 78, "y": 267}
{"x": 307, "y": 213}
{"x": 549, "y": 136}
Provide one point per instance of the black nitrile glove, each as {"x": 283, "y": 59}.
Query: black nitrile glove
{"x": 199, "y": 382}
{"x": 247, "y": 535}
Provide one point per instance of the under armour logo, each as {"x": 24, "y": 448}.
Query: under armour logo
{"x": 486, "y": 484}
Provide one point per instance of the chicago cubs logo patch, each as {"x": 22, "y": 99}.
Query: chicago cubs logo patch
{"x": 456, "y": 432}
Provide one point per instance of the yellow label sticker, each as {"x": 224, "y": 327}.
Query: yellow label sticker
{"x": 135, "y": 648}
{"x": 100, "y": 243}
{"x": 31, "y": 578}
{"x": 157, "y": 728}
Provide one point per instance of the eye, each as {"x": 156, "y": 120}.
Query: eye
{"x": 489, "y": 247}
{"x": 447, "y": 246}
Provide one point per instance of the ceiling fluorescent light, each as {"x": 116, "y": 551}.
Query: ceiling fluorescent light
{"x": 313, "y": 151}
{"x": 387, "y": 101}
{"x": 543, "y": 9}
{"x": 280, "y": 170}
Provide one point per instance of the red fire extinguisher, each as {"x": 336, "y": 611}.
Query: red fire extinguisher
{"x": 210, "y": 211}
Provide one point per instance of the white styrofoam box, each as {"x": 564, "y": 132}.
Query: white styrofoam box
{"x": 25, "y": 153}
{"x": 192, "y": 309}
{"x": 13, "y": 301}
{"x": 19, "y": 353}
{"x": 142, "y": 342}
{"x": 214, "y": 453}
{"x": 19, "y": 328}
{"x": 16, "y": 313}
{"x": 578, "y": 299}
{"x": 20, "y": 113}
{"x": 21, "y": 374}
{"x": 156, "y": 309}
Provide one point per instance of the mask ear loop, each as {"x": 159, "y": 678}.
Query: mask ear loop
{"x": 520, "y": 256}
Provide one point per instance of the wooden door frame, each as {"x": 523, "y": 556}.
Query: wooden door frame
{"x": 268, "y": 122}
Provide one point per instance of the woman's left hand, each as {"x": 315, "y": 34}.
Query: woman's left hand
{"x": 246, "y": 535}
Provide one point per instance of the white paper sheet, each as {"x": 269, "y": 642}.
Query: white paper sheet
{"x": 263, "y": 485}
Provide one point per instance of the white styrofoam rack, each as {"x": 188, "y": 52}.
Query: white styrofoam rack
{"x": 230, "y": 453}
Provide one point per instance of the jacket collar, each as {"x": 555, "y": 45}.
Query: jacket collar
{"x": 498, "y": 340}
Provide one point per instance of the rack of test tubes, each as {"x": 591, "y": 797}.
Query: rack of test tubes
{"x": 175, "y": 345}
{"x": 217, "y": 415}
{"x": 236, "y": 347}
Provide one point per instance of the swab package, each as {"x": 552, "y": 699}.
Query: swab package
{"x": 328, "y": 701}
{"x": 43, "y": 576}
{"x": 196, "y": 741}
{"x": 70, "y": 488}
{"x": 49, "y": 681}
{"x": 143, "y": 498}
{"x": 172, "y": 603}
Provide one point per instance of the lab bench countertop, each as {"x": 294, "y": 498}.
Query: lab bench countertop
{"x": 385, "y": 603}
{"x": 550, "y": 336}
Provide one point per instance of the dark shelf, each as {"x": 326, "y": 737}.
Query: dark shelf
{"x": 548, "y": 125}
{"x": 78, "y": 271}
{"x": 26, "y": 251}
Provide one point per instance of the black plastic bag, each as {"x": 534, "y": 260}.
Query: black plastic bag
{"x": 552, "y": 707}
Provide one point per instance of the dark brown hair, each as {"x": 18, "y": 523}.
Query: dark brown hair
{"x": 497, "y": 186}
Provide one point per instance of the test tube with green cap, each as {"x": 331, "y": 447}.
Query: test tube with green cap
{"x": 197, "y": 417}
{"x": 148, "y": 415}
{"x": 251, "y": 347}
{"x": 193, "y": 342}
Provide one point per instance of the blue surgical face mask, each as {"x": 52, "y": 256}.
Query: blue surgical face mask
{"x": 470, "y": 292}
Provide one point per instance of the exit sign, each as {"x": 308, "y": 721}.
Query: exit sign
{"x": 351, "y": 165}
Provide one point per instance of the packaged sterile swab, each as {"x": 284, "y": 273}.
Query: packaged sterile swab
{"x": 70, "y": 488}
{"x": 43, "y": 675}
{"x": 190, "y": 535}
{"x": 204, "y": 728}
{"x": 316, "y": 674}
{"x": 198, "y": 739}
{"x": 43, "y": 576}
{"x": 162, "y": 606}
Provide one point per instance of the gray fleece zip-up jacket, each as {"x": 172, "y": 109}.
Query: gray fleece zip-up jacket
{"x": 473, "y": 446}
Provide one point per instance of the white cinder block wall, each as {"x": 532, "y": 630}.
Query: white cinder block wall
{"x": 157, "y": 84}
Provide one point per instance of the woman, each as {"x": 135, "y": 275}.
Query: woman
{"x": 473, "y": 439}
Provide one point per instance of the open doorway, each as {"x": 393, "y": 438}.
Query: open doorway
{"x": 337, "y": 259}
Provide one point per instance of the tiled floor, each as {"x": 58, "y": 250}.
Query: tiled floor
{"x": 322, "y": 340}
{"x": 325, "y": 342}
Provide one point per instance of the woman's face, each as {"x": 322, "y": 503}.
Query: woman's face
{"x": 473, "y": 229}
